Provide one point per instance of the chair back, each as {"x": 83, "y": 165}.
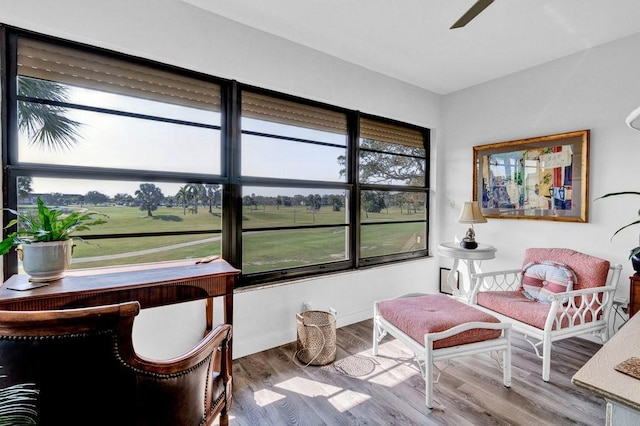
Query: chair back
{"x": 71, "y": 358}
{"x": 590, "y": 271}
{"x": 83, "y": 363}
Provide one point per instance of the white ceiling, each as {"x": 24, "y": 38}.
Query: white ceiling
{"x": 410, "y": 40}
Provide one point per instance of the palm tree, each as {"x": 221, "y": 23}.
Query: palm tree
{"x": 183, "y": 197}
{"x": 196, "y": 192}
{"x": 43, "y": 123}
{"x": 24, "y": 186}
{"x": 212, "y": 192}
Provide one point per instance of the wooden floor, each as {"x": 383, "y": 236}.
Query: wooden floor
{"x": 270, "y": 388}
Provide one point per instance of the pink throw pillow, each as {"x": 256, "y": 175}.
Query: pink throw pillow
{"x": 541, "y": 279}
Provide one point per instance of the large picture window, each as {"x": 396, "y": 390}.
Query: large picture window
{"x": 187, "y": 165}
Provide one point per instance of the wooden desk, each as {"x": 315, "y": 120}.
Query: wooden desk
{"x": 152, "y": 285}
{"x": 621, "y": 391}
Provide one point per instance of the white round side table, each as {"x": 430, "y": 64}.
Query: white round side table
{"x": 469, "y": 257}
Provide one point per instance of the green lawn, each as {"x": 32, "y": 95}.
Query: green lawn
{"x": 263, "y": 250}
{"x": 134, "y": 220}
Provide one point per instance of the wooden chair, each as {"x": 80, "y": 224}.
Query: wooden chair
{"x": 87, "y": 372}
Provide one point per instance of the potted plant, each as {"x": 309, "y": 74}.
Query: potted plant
{"x": 17, "y": 404}
{"x": 43, "y": 239}
{"x": 634, "y": 254}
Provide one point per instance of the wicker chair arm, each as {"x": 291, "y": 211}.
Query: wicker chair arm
{"x": 572, "y": 309}
{"x": 496, "y": 273}
{"x": 581, "y": 292}
{"x": 505, "y": 280}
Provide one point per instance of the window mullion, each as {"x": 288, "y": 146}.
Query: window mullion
{"x": 352, "y": 174}
{"x": 232, "y": 192}
{"x": 9, "y": 136}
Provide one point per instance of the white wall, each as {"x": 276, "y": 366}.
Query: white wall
{"x": 596, "y": 90}
{"x": 172, "y": 32}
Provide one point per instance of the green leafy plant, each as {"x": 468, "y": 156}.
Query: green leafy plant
{"x": 636, "y": 250}
{"x": 48, "y": 224}
{"x": 17, "y": 405}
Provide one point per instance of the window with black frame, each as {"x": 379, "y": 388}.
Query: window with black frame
{"x": 138, "y": 144}
{"x": 187, "y": 165}
{"x": 393, "y": 189}
{"x": 294, "y": 194}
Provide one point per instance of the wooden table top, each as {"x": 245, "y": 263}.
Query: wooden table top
{"x": 118, "y": 279}
{"x": 598, "y": 374}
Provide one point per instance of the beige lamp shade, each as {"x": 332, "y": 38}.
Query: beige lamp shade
{"x": 471, "y": 213}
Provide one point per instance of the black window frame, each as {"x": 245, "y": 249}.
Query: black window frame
{"x": 230, "y": 178}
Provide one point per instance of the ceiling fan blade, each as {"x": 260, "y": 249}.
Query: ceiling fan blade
{"x": 474, "y": 11}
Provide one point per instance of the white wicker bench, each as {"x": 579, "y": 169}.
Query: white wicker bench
{"x": 437, "y": 328}
{"x": 585, "y": 310}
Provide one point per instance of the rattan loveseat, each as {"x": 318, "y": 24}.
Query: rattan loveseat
{"x": 557, "y": 293}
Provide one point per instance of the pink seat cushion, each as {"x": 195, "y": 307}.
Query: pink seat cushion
{"x": 515, "y": 305}
{"x": 431, "y": 313}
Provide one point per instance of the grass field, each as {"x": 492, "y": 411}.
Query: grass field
{"x": 262, "y": 251}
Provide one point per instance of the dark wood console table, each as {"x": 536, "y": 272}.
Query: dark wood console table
{"x": 151, "y": 285}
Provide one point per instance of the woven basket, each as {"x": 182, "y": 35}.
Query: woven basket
{"x": 316, "y": 343}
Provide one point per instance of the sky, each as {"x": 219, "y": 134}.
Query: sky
{"x": 123, "y": 142}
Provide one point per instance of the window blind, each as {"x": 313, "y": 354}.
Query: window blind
{"x": 393, "y": 133}
{"x": 93, "y": 71}
{"x": 269, "y": 108}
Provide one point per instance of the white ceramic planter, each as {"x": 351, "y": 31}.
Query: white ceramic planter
{"x": 48, "y": 261}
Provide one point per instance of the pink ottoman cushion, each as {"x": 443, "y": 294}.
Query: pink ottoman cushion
{"x": 432, "y": 313}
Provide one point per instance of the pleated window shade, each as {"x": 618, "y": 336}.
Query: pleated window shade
{"x": 392, "y": 133}
{"x": 269, "y": 108}
{"x": 93, "y": 71}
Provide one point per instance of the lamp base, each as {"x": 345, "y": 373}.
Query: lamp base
{"x": 470, "y": 245}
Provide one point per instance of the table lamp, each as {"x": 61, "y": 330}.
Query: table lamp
{"x": 470, "y": 214}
